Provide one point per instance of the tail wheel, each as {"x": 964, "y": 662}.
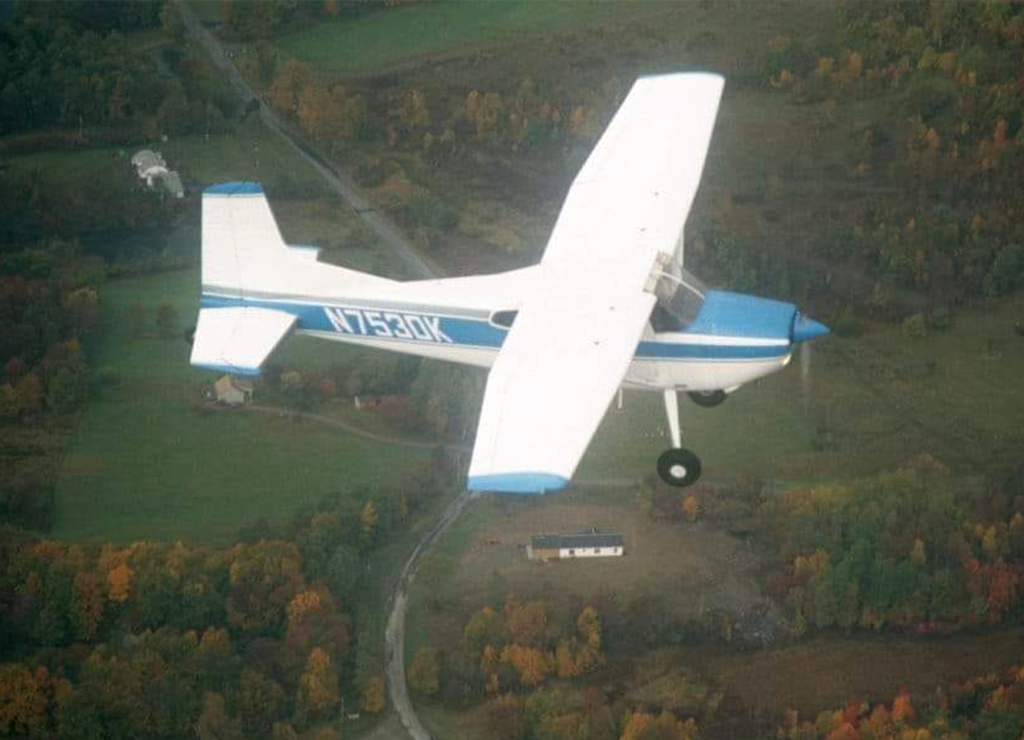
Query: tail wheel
{"x": 679, "y": 467}
{"x": 707, "y": 399}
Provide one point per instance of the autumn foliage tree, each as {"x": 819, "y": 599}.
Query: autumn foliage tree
{"x": 318, "y": 687}
{"x": 424, "y": 671}
{"x": 220, "y": 642}
{"x": 900, "y": 549}
{"x": 373, "y": 698}
{"x": 641, "y": 725}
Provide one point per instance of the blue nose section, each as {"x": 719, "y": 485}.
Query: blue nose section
{"x": 806, "y": 329}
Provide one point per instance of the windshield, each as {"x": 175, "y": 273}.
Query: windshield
{"x": 680, "y": 297}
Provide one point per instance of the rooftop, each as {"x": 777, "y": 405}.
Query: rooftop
{"x": 582, "y": 540}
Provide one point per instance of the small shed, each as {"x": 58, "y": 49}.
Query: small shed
{"x": 592, "y": 544}
{"x": 233, "y": 391}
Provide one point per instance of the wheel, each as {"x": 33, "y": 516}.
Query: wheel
{"x": 707, "y": 399}
{"x": 679, "y": 467}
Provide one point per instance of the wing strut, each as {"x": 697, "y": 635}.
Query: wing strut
{"x": 672, "y": 412}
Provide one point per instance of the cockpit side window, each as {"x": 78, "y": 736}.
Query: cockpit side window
{"x": 504, "y": 319}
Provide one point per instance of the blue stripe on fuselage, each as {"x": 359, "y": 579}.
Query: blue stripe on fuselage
{"x": 470, "y": 332}
{"x": 368, "y": 321}
{"x": 674, "y": 351}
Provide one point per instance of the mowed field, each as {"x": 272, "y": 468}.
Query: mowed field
{"x": 400, "y": 37}
{"x": 698, "y": 567}
{"x": 378, "y": 41}
{"x": 149, "y": 461}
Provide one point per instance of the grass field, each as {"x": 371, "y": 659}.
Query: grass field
{"x": 377, "y": 41}
{"x": 249, "y": 152}
{"x": 147, "y": 462}
{"x": 209, "y": 11}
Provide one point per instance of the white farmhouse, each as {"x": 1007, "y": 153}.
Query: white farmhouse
{"x": 152, "y": 168}
{"x": 591, "y": 544}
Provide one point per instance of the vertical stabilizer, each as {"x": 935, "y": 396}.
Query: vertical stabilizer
{"x": 242, "y": 246}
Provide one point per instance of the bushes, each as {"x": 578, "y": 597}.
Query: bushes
{"x": 1007, "y": 273}
{"x": 432, "y": 213}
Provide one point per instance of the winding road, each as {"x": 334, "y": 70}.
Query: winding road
{"x": 391, "y": 239}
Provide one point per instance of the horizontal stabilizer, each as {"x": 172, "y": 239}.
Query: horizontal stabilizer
{"x": 238, "y": 340}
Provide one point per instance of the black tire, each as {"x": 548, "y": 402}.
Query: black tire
{"x": 679, "y": 467}
{"x": 708, "y": 399}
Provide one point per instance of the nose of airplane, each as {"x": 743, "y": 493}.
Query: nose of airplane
{"x": 806, "y": 329}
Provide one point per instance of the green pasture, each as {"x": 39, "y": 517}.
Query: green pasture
{"x": 208, "y": 11}
{"x": 148, "y": 461}
{"x": 248, "y": 153}
{"x": 750, "y": 433}
{"x": 77, "y": 167}
{"x": 376, "y": 41}
{"x": 855, "y": 407}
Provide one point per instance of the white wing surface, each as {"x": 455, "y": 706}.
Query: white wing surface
{"x": 575, "y": 336}
{"x": 558, "y": 370}
{"x": 631, "y": 199}
{"x": 238, "y": 339}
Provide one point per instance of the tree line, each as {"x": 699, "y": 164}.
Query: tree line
{"x": 246, "y": 21}
{"x": 917, "y": 549}
{"x": 953, "y": 76}
{"x": 537, "y": 669}
{"x": 160, "y": 640}
{"x": 987, "y": 707}
{"x": 407, "y": 119}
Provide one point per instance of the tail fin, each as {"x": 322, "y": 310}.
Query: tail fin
{"x": 241, "y": 242}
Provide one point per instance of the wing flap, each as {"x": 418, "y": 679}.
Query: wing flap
{"x": 238, "y": 339}
{"x": 547, "y": 392}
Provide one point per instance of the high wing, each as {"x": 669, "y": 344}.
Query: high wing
{"x": 575, "y": 335}
{"x": 550, "y": 386}
{"x": 238, "y": 339}
{"x": 631, "y": 199}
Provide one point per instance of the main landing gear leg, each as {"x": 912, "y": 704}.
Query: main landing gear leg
{"x": 677, "y": 466}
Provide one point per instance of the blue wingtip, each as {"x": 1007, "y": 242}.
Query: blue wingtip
{"x": 234, "y": 188}
{"x": 250, "y": 372}
{"x": 517, "y": 483}
{"x": 805, "y": 329}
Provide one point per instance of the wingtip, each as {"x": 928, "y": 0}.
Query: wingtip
{"x": 534, "y": 483}
{"x": 234, "y": 188}
{"x": 249, "y": 372}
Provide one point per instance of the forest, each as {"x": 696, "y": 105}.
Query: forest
{"x": 898, "y": 209}
{"x": 159, "y": 639}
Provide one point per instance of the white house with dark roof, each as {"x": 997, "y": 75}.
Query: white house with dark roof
{"x": 591, "y": 544}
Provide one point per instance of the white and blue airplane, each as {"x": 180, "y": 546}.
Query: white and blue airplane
{"x": 608, "y": 306}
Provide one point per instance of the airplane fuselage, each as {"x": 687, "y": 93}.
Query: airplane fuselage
{"x": 716, "y": 352}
